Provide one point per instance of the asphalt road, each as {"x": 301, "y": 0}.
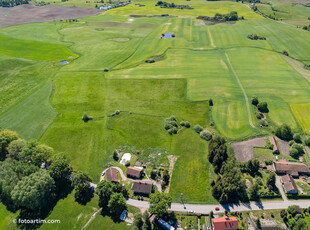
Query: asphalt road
{"x": 206, "y": 208}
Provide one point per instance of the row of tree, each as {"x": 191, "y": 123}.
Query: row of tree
{"x": 12, "y": 3}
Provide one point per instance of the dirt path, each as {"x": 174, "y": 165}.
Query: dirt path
{"x": 243, "y": 91}
{"x": 298, "y": 66}
{"x": 211, "y": 38}
{"x": 172, "y": 159}
{"x": 92, "y": 217}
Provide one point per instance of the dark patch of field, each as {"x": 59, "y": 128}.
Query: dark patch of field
{"x": 29, "y": 13}
{"x": 244, "y": 150}
{"x": 284, "y": 147}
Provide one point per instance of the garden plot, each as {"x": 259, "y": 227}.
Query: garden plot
{"x": 284, "y": 147}
{"x": 244, "y": 150}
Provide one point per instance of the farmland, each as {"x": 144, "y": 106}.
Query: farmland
{"x": 106, "y": 71}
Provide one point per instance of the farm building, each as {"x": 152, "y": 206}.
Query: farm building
{"x": 294, "y": 169}
{"x": 112, "y": 175}
{"x": 274, "y": 143}
{"x": 142, "y": 187}
{"x": 289, "y": 184}
{"x": 225, "y": 223}
{"x": 134, "y": 172}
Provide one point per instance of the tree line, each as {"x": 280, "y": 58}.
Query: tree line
{"x": 12, "y": 3}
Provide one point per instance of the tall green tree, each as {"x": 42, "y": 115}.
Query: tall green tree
{"x": 34, "y": 191}
{"x": 117, "y": 204}
{"x": 60, "y": 169}
{"x": 159, "y": 203}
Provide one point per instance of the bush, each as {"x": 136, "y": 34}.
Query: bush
{"x": 294, "y": 153}
{"x": 254, "y": 101}
{"x": 171, "y": 125}
{"x": 258, "y": 116}
{"x": 198, "y": 129}
{"x": 149, "y": 61}
{"x": 205, "y": 135}
{"x": 285, "y": 52}
{"x": 106, "y": 70}
{"x": 127, "y": 164}
{"x": 182, "y": 123}
{"x": 290, "y": 143}
{"x": 299, "y": 148}
{"x": 210, "y": 102}
{"x": 307, "y": 141}
{"x": 297, "y": 138}
{"x": 268, "y": 162}
{"x": 187, "y": 124}
{"x": 173, "y": 130}
{"x": 263, "y": 107}
{"x": 284, "y": 132}
{"x": 86, "y": 118}
{"x": 263, "y": 123}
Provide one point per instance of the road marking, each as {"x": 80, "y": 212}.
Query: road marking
{"x": 243, "y": 91}
{"x": 210, "y": 37}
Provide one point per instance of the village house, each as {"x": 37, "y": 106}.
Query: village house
{"x": 142, "y": 187}
{"x": 134, "y": 172}
{"x": 289, "y": 184}
{"x": 112, "y": 175}
{"x": 225, "y": 223}
{"x": 294, "y": 169}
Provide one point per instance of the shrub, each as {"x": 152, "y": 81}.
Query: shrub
{"x": 307, "y": 141}
{"x": 182, "y": 123}
{"x": 258, "y": 116}
{"x": 299, "y": 148}
{"x": 290, "y": 143}
{"x": 149, "y": 61}
{"x": 263, "y": 123}
{"x": 212, "y": 123}
{"x": 254, "y": 101}
{"x": 106, "y": 70}
{"x": 283, "y": 213}
{"x": 210, "y": 102}
{"x": 297, "y": 138}
{"x": 86, "y": 118}
{"x": 284, "y": 132}
{"x": 268, "y": 162}
{"x": 117, "y": 112}
{"x": 263, "y": 107}
{"x": 285, "y": 52}
{"x": 173, "y": 130}
{"x": 294, "y": 153}
{"x": 171, "y": 125}
{"x": 198, "y": 128}
{"x": 187, "y": 124}
{"x": 127, "y": 164}
{"x": 205, "y": 135}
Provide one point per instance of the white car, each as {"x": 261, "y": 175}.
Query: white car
{"x": 103, "y": 174}
{"x": 191, "y": 211}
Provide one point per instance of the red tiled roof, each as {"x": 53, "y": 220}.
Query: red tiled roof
{"x": 289, "y": 167}
{"x": 112, "y": 175}
{"x": 225, "y": 223}
{"x": 288, "y": 183}
{"x": 134, "y": 172}
{"x": 142, "y": 186}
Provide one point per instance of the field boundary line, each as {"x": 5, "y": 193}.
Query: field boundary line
{"x": 91, "y": 218}
{"x": 211, "y": 38}
{"x": 243, "y": 91}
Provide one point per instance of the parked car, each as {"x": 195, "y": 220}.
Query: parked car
{"x": 123, "y": 215}
{"x": 103, "y": 174}
{"x": 217, "y": 209}
{"x": 191, "y": 211}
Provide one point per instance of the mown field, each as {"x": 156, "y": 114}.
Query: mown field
{"x": 42, "y": 99}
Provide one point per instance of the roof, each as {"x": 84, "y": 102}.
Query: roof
{"x": 142, "y": 186}
{"x": 112, "y": 175}
{"x": 225, "y": 223}
{"x": 288, "y": 183}
{"x": 135, "y": 172}
{"x": 290, "y": 167}
{"x": 273, "y": 141}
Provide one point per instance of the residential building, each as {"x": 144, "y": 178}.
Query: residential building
{"x": 289, "y": 184}
{"x": 134, "y": 172}
{"x": 112, "y": 175}
{"x": 294, "y": 169}
{"x": 225, "y": 223}
{"x": 143, "y": 187}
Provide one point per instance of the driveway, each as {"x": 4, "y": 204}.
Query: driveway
{"x": 280, "y": 187}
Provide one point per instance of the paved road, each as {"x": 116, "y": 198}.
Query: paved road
{"x": 206, "y": 208}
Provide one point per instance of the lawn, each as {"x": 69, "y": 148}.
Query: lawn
{"x": 31, "y": 117}
{"x": 302, "y": 114}
{"x": 263, "y": 154}
{"x": 192, "y": 174}
{"x": 6, "y": 218}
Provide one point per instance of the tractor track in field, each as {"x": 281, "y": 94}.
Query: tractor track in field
{"x": 242, "y": 89}
{"x": 211, "y": 38}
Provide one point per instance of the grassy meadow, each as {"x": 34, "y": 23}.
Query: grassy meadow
{"x": 106, "y": 72}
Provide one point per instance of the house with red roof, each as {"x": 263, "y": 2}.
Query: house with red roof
{"x": 225, "y": 223}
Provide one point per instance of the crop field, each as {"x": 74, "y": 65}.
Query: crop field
{"x": 106, "y": 71}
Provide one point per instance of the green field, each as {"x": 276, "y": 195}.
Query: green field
{"x": 39, "y": 98}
